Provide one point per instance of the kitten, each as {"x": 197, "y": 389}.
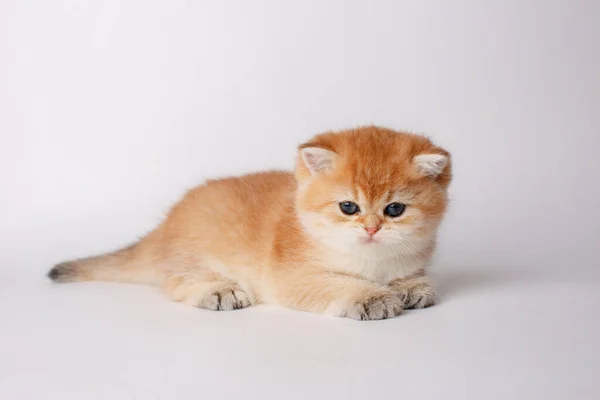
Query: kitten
{"x": 349, "y": 234}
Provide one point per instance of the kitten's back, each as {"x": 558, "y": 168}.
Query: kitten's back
{"x": 228, "y": 221}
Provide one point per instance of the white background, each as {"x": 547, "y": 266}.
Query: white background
{"x": 111, "y": 109}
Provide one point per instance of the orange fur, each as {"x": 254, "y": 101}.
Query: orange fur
{"x": 281, "y": 238}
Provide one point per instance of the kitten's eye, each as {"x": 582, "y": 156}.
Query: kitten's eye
{"x": 349, "y": 208}
{"x": 394, "y": 210}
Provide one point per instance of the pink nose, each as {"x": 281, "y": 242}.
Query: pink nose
{"x": 372, "y": 229}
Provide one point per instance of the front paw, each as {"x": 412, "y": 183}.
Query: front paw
{"x": 226, "y": 299}
{"x": 418, "y": 296}
{"x": 377, "y": 306}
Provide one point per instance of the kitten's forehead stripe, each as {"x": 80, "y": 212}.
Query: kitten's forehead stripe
{"x": 375, "y": 183}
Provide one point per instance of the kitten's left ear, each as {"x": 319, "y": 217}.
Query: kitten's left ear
{"x": 431, "y": 165}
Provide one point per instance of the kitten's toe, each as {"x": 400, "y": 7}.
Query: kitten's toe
{"x": 419, "y": 297}
{"x": 379, "y": 306}
{"x": 227, "y": 299}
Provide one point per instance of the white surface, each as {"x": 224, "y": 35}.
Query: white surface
{"x": 110, "y": 109}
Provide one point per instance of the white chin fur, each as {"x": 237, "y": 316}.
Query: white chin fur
{"x": 394, "y": 255}
{"x": 386, "y": 244}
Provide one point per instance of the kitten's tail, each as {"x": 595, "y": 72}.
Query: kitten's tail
{"x": 129, "y": 265}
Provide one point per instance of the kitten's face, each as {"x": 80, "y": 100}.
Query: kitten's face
{"x": 372, "y": 191}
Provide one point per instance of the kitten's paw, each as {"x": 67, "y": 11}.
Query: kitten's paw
{"x": 379, "y": 306}
{"x": 226, "y": 299}
{"x": 419, "y": 296}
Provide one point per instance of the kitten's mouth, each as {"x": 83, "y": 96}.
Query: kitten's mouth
{"x": 368, "y": 240}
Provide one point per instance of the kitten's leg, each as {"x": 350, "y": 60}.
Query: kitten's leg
{"x": 337, "y": 295}
{"x": 206, "y": 290}
{"x": 416, "y": 291}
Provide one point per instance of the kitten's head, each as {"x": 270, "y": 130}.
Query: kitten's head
{"x": 372, "y": 190}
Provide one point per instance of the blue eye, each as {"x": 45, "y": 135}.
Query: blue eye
{"x": 394, "y": 210}
{"x": 349, "y": 208}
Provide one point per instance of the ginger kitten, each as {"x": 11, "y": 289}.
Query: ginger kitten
{"x": 349, "y": 234}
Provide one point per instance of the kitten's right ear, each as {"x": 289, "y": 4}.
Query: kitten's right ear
{"x": 317, "y": 160}
{"x": 431, "y": 164}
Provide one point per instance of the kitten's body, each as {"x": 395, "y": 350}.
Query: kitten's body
{"x": 280, "y": 238}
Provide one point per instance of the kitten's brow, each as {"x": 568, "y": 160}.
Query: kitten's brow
{"x": 403, "y": 195}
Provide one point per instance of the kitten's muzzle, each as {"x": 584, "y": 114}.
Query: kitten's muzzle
{"x": 372, "y": 230}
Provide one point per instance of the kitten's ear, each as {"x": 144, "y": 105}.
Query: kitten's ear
{"x": 431, "y": 165}
{"x": 317, "y": 159}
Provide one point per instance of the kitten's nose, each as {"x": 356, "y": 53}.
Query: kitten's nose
{"x": 371, "y": 230}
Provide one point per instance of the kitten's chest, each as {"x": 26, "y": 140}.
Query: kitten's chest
{"x": 381, "y": 271}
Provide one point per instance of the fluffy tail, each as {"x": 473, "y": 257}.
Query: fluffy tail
{"x": 127, "y": 265}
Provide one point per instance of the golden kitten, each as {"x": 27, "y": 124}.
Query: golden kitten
{"x": 349, "y": 234}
